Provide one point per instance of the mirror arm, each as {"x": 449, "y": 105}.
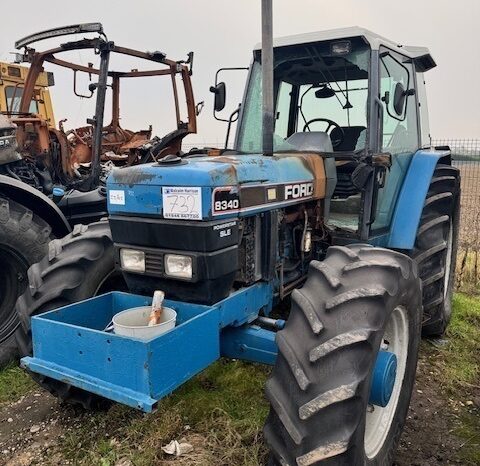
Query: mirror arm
{"x": 230, "y": 121}
{"x": 82, "y": 96}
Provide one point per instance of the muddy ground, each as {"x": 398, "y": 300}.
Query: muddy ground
{"x": 32, "y": 428}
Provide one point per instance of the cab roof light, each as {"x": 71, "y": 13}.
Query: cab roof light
{"x": 341, "y": 48}
{"x": 61, "y": 31}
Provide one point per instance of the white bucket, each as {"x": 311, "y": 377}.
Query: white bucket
{"x": 134, "y": 322}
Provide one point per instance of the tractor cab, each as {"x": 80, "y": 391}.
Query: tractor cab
{"x": 350, "y": 95}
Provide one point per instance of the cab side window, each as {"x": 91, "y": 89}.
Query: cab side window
{"x": 400, "y": 132}
{"x": 14, "y": 96}
{"x": 282, "y": 115}
{"x": 399, "y": 129}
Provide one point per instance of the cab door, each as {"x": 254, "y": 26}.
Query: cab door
{"x": 399, "y": 129}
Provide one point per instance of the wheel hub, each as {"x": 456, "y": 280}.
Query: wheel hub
{"x": 387, "y": 380}
{"x": 383, "y": 381}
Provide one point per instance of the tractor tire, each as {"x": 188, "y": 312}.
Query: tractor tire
{"x": 23, "y": 241}
{"x": 77, "y": 267}
{"x": 352, "y": 302}
{"x": 436, "y": 246}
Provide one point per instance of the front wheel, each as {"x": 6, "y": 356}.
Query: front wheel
{"x": 341, "y": 386}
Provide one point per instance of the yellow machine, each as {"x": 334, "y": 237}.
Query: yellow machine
{"x": 12, "y": 79}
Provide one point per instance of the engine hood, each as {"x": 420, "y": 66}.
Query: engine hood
{"x": 245, "y": 182}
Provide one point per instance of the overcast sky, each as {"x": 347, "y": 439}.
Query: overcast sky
{"x": 223, "y": 33}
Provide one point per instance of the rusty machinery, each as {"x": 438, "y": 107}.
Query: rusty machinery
{"x": 63, "y": 150}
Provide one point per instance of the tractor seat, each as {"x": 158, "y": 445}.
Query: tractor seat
{"x": 344, "y": 187}
{"x": 315, "y": 141}
{"x": 351, "y": 136}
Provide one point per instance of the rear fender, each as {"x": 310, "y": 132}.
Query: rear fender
{"x": 411, "y": 200}
{"x": 37, "y": 202}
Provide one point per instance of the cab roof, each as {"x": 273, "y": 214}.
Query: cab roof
{"x": 420, "y": 55}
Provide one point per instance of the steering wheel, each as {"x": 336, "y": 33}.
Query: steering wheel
{"x": 331, "y": 124}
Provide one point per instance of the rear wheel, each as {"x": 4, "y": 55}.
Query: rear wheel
{"x": 23, "y": 241}
{"x": 77, "y": 267}
{"x": 435, "y": 248}
{"x": 357, "y": 306}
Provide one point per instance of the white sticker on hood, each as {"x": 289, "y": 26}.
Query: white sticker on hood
{"x": 116, "y": 196}
{"x": 182, "y": 203}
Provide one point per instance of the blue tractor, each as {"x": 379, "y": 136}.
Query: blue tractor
{"x": 343, "y": 212}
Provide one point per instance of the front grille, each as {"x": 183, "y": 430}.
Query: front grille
{"x": 154, "y": 263}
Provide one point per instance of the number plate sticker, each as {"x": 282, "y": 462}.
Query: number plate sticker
{"x": 182, "y": 203}
{"x": 225, "y": 200}
{"x": 116, "y": 196}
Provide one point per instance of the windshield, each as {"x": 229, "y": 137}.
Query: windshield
{"x": 315, "y": 91}
{"x": 13, "y": 95}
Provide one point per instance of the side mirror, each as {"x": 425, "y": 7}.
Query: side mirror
{"x": 325, "y": 92}
{"x": 219, "y": 92}
{"x": 399, "y": 96}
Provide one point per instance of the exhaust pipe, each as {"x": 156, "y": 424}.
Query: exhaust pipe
{"x": 97, "y": 121}
{"x": 267, "y": 77}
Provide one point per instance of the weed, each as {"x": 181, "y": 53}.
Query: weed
{"x": 14, "y": 383}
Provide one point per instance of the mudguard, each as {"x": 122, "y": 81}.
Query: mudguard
{"x": 37, "y": 202}
{"x": 408, "y": 210}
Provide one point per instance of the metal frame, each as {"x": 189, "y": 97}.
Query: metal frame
{"x": 71, "y": 345}
{"x": 104, "y": 48}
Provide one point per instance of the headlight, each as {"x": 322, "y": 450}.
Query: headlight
{"x": 132, "y": 260}
{"x": 178, "y": 266}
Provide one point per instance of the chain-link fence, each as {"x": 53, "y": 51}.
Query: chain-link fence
{"x": 466, "y": 156}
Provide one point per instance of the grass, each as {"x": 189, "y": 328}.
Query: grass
{"x": 458, "y": 360}
{"x": 462, "y": 369}
{"x": 468, "y": 270}
{"x": 462, "y": 354}
{"x": 14, "y": 383}
{"x": 469, "y": 430}
{"x": 458, "y": 365}
{"x": 221, "y": 412}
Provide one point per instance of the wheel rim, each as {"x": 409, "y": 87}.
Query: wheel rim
{"x": 448, "y": 260}
{"x": 12, "y": 282}
{"x": 379, "y": 420}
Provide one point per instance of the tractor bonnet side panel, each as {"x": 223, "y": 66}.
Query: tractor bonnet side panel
{"x": 229, "y": 185}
